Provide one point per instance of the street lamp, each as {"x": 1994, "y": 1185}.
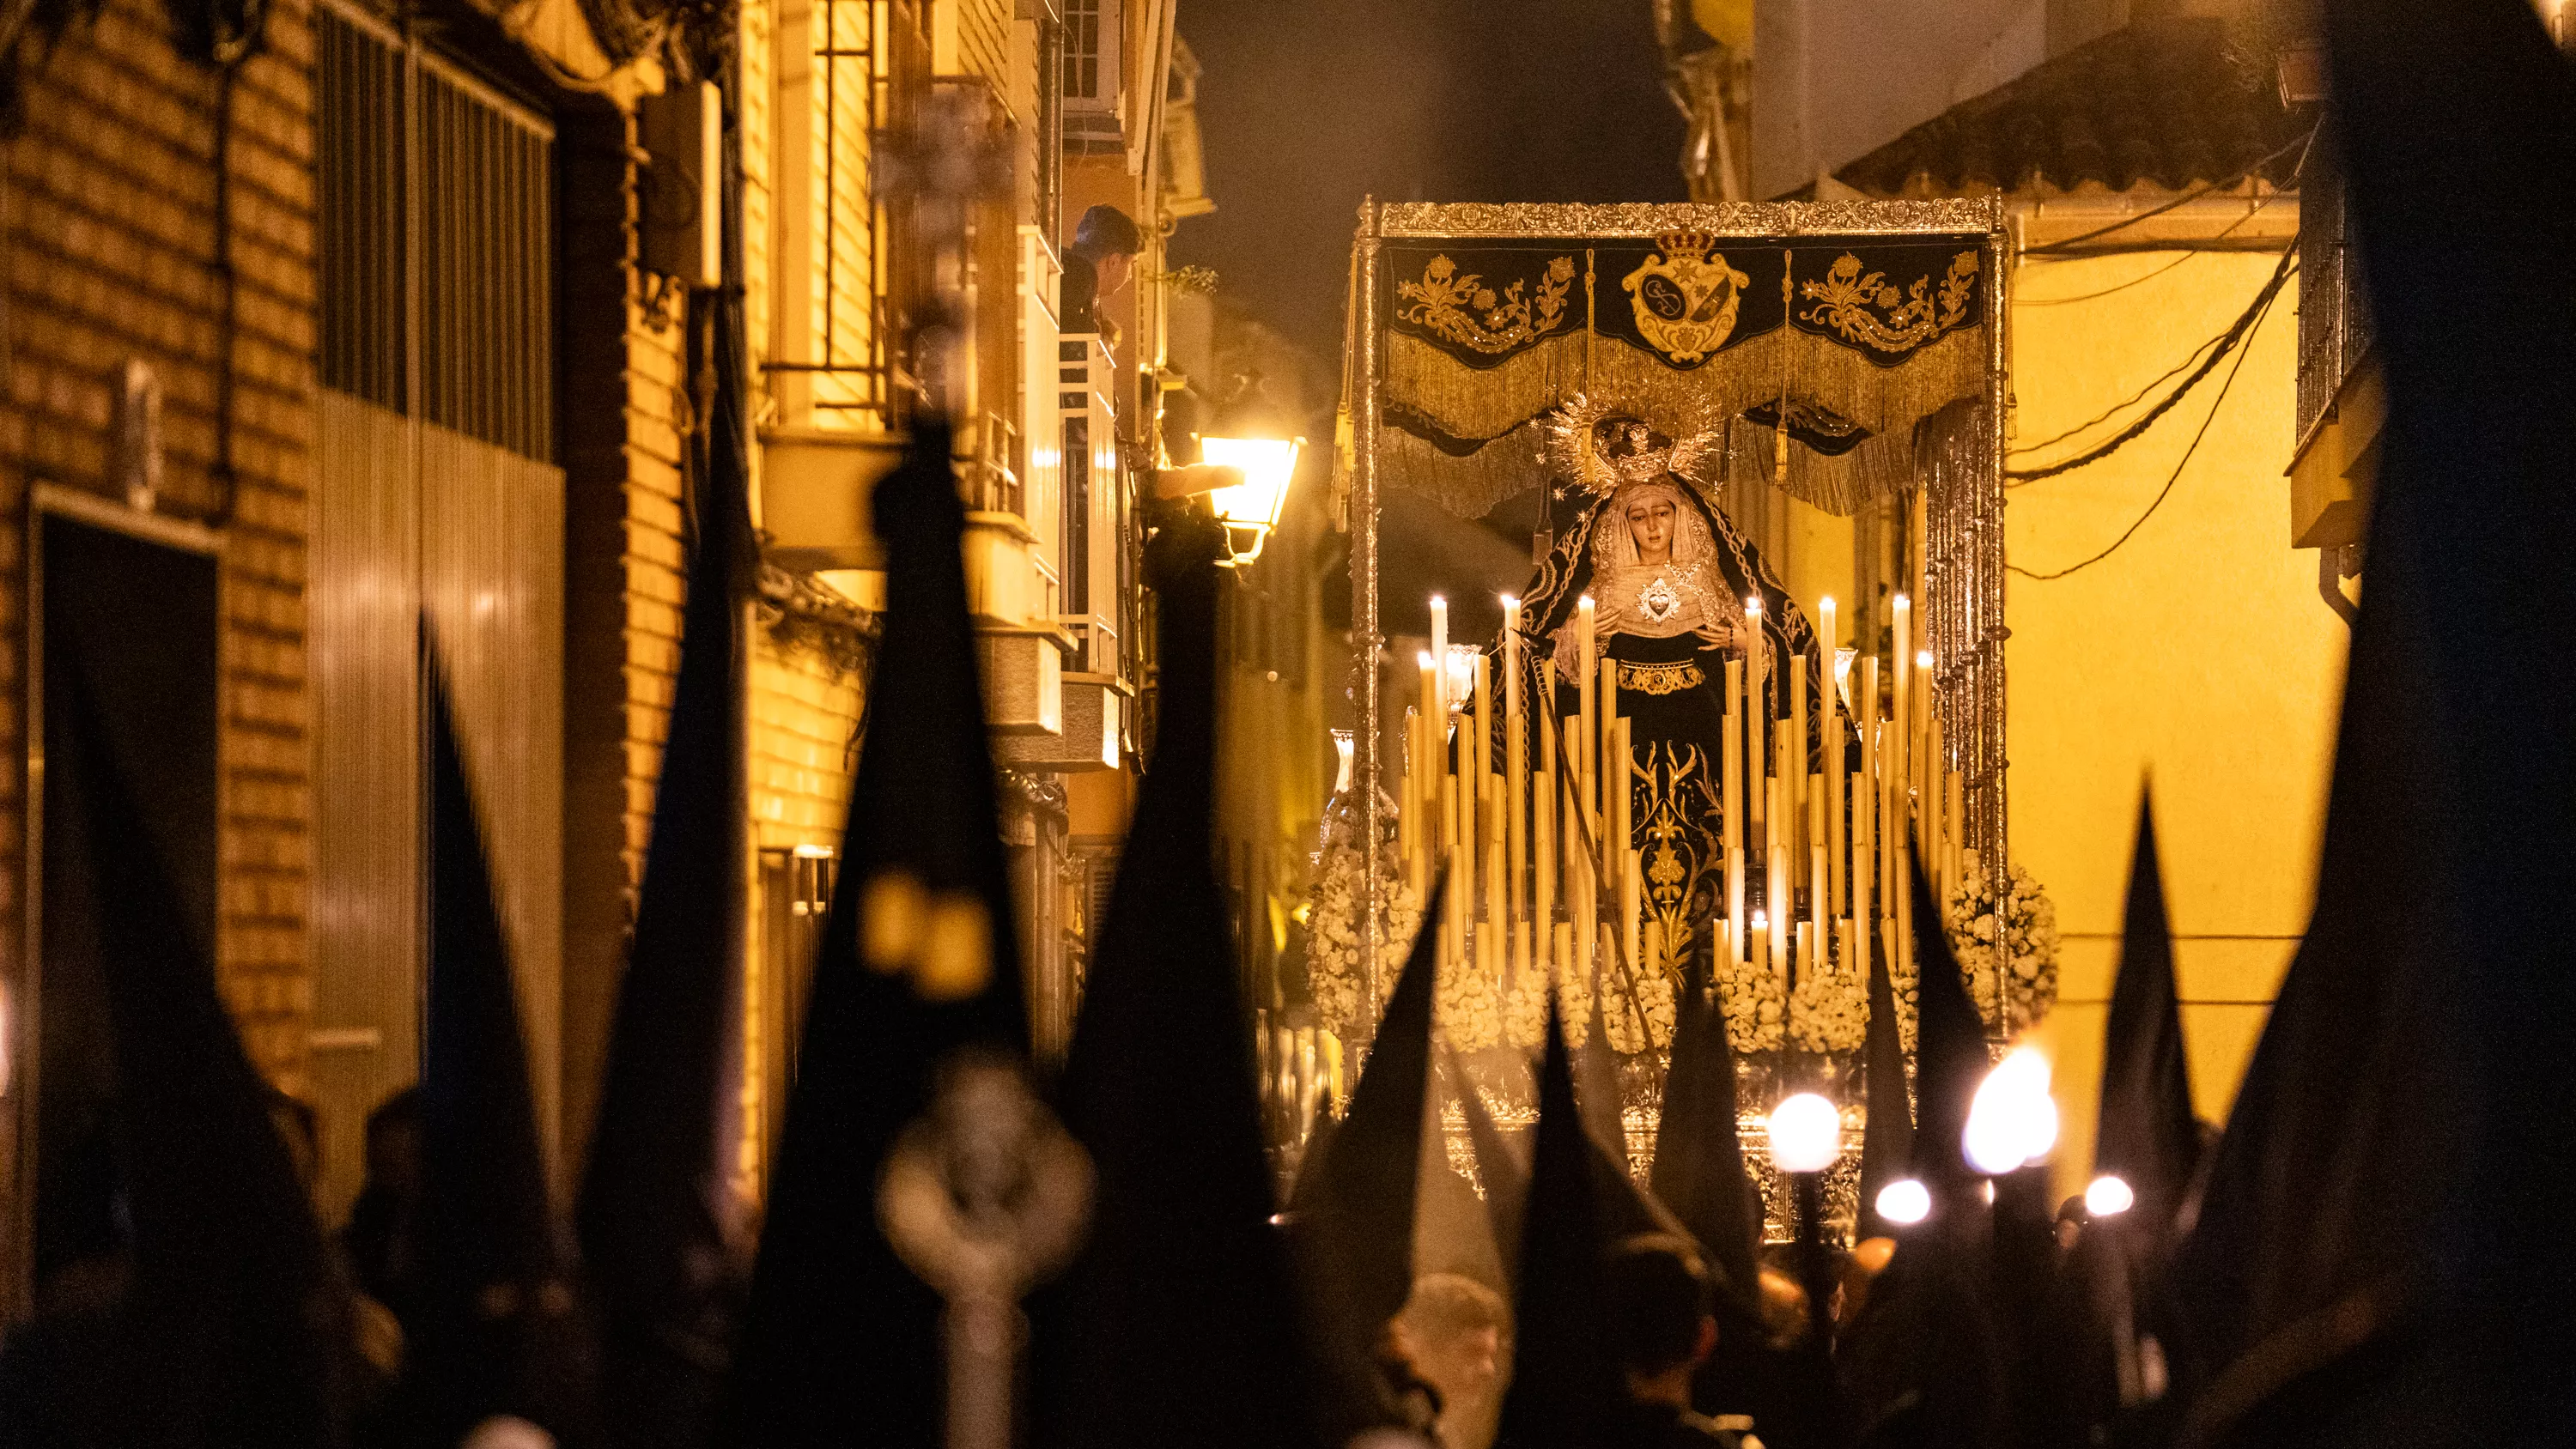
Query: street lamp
{"x": 1806, "y": 1137}
{"x": 1251, "y": 507}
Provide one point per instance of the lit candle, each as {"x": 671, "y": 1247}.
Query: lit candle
{"x": 1957, "y": 833}
{"x": 1775, "y": 901}
{"x": 1614, "y": 771}
{"x": 1580, "y": 884}
{"x": 1475, "y": 745}
{"x": 1816, "y": 901}
{"x": 1515, "y": 767}
{"x": 1922, "y": 752}
{"x": 1859, "y": 873}
{"x": 1793, "y": 754}
{"x": 1899, "y": 762}
{"x": 1758, "y": 944}
{"x": 1783, "y": 820}
{"x": 1757, "y": 729}
{"x": 1869, "y": 796}
{"x": 1440, "y": 643}
{"x": 1543, "y": 832}
{"x": 1621, "y": 833}
{"x": 1731, "y": 756}
{"x": 1736, "y": 938}
{"x": 1827, "y": 641}
{"x": 1586, "y": 759}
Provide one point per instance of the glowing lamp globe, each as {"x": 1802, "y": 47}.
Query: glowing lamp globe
{"x": 1252, "y": 506}
{"x": 1806, "y": 1133}
{"x": 2108, "y": 1196}
{"x": 1905, "y": 1202}
{"x": 2013, "y": 1120}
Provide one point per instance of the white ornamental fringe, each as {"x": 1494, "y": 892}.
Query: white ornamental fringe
{"x": 1467, "y": 402}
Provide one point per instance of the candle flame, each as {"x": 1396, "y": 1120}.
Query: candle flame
{"x": 1423, "y": 659}
{"x": 1585, "y": 601}
{"x": 1903, "y": 602}
{"x": 1922, "y": 658}
{"x": 1510, "y": 603}
{"x": 1761, "y": 922}
{"x": 1753, "y": 606}
{"x": 1829, "y": 601}
{"x": 1439, "y": 602}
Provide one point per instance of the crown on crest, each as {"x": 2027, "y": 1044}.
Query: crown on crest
{"x": 1686, "y": 242}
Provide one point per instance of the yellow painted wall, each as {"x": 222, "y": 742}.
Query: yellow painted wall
{"x": 2199, "y": 651}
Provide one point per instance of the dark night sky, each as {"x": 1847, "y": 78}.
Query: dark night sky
{"x": 1307, "y": 105}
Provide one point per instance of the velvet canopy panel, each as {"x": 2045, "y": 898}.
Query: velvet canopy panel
{"x": 1856, "y": 340}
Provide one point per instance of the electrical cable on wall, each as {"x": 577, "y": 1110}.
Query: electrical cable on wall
{"x": 2194, "y": 249}
{"x": 2234, "y": 337}
{"x": 2175, "y": 477}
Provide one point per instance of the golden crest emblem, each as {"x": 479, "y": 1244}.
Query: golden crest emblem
{"x": 1685, "y": 296}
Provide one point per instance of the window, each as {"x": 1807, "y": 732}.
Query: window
{"x": 436, "y": 202}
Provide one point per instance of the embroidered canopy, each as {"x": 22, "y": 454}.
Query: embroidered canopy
{"x": 1716, "y": 318}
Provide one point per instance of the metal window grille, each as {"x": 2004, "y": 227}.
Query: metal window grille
{"x": 436, "y": 202}
{"x": 1082, "y": 57}
{"x": 1075, "y": 548}
{"x": 362, "y": 84}
{"x": 872, "y": 64}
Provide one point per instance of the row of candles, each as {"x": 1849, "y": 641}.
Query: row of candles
{"x": 1543, "y": 864}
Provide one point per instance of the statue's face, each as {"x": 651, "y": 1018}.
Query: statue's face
{"x": 1650, "y": 523}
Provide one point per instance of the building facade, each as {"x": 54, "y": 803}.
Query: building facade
{"x": 357, "y": 348}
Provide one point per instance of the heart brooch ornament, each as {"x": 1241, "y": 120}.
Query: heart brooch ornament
{"x": 1659, "y": 600}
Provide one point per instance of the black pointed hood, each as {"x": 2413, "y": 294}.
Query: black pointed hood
{"x": 1887, "y": 1138}
{"x": 226, "y": 1337}
{"x": 1699, "y": 1161}
{"x": 918, "y": 961}
{"x": 659, "y": 1232}
{"x": 495, "y": 1333}
{"x": 2388, "y": 1168}
{"x": 1353, "y": 1206}
{"x": 1950, "y": 1056}
{"x": 1498, "y": 1168}
{"x": 1564, "y": 1376}
{"x": 2147, "y": 1135}
{"x": 1179, "y": 1322}
{"x": 1352, "y": 1216}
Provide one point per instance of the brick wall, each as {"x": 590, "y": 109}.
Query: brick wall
{"x": 111, "y": 251}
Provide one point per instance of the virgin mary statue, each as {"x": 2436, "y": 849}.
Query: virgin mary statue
{"x": 1670, "y": 580}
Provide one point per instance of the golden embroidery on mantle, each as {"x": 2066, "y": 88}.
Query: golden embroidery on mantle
{"x": 1660, "y": 678}
{"x": 1464, "y": 310}
{"x": 1850, "y": 304}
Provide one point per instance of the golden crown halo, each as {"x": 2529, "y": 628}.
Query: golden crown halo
{"x": 1571, "y": 450}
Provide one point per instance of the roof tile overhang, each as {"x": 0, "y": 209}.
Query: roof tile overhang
{"x": 2159, "y": 104}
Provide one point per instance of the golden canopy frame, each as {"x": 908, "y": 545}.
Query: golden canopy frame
{"x": 1956, "y": 474}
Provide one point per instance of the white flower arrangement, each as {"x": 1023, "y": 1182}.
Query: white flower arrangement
{"x": 2006, "y": 940}
{"x": 1333, "y": 972}
{"x": 1525, "y": 1010}
{"x": 1756, "y": 1005}
{"x": 1468, "y": 1008}
{"x": 1642, "y": 1024}
{"x": 1829, "y": 1009}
